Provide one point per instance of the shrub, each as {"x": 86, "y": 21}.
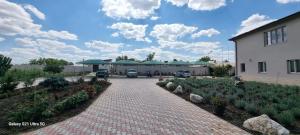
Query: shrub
{"x": 269, "y": 110}
{"x": 93, "y": 80}
{"x": 80, "y": 80}
{"x": 55, "y": 83}
{"x": 48, "y": 113}
{"x": 71, "y": 102}
{"x": 220, "y": 71}
{"x": 172, "y": 87}
{"x": 53, "y": 68}
{"x": 286, "y": 118}
{"x": 219, "y": 104}
{"x": 28, "y": 82}
{"x": 90, "y": 90}
{"x": 296, "y": 112}
{"x": 162, "y": 83}
{"x": 30, "y": 113}
{"x": 4, "y": 64}
{"x": 251, "y": 108}
{"x": 240, "y": 104}
{"x": 98, "y": 88}
{"x": 7, "y": 83}
{"x": 231, "y": 98}
{"x": 103, "y": 83}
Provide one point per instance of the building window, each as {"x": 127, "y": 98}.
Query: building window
{"x": 275, "y": 36}
{"x": 293, "y": 66}
{"x": 243, "y": 67}
{"x": 284, "y": 34}
{"x": 262, "y": 67}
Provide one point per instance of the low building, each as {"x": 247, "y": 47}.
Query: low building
{"x": 270, "y": 53}
{"x": 154, "y": 67}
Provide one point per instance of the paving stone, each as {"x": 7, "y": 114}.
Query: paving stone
{"x": 138, "y": 106}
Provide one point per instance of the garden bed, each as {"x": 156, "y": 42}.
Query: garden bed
{"x": 281, "y": 103}
{"x": 52, "y": 101}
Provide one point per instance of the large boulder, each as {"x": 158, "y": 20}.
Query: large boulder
{"x": 169, "y": 84}
{"x": 265, "y": 125}
{"x": 178, "y": 90}
{"x": 196, "y": 98}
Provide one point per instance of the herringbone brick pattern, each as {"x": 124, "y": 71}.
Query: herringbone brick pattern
{"x": 139, "y": 107}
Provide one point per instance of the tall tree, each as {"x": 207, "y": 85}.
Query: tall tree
{"x": 205, "y": 59}
{"x": 150, "y": 56}
{"x": 49, "y": 61}
{"x": 5, "y": 64}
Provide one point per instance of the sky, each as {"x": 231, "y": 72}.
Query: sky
{"x": 104, "y": 29}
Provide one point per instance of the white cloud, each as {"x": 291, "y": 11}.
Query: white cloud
{"x": 128, "y": 9}
{"x": 194, "y": 47}
{"x": 252, "y": 22}
{"x": 130, "y": 31}
{"x": 178, "y": 3}
{"x": 14, "y": 20}
{"x": 199, "y": 4}
{"x": 171, "y": 32}
{"x": 287, "y": 1}
{"x": 209, "y": 33}
{"x": 35, "y": 11}
{"x": 153, "y": 18}
{"x": 2, "y": 39}
{"x": 104, "y": 46}
{"x": 29, "y": 48}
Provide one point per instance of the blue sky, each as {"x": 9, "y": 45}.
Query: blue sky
{"x": 100, "y": 29}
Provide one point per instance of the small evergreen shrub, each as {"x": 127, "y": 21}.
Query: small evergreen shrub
{"x": 231, "y": 99}
{"x": 296, "y": 112}
{"x": 251, "y": 108}
{"x": 98, "y": 88}
{"x": 162, "y": 83}
{"x": 71, "y": 102}
{"x": 269, "y": 110}
{"x": 7, "y": 83}
{"x": 240, "y": 104}
{"x": 55, "y": 83}
{"x": 93, "y": 80}
{"x": 219, "y": 104}
{"x": 80, "y": 80}
{"x": 173, "y": 87}
{"x": 286, "y": 118}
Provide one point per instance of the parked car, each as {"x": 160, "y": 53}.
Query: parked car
{"x": 102, "y": 73}
{"x": 183, "y": 73}
{"x": 132, "y": 73}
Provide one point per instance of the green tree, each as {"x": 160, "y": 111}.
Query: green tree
{"x": 150, "y": 56}
{"x": 49, "y": 61}
{"x": 53, "y": 68}
{"x": 5, "y": 64}
{"x": 205, "y": 59}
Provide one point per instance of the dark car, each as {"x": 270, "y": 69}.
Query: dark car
{"x": 183, "y": 73}
{"x": 102, "y": 73}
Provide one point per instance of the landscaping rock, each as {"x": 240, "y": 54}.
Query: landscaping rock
{"x": 265, "y": 125}
{"x": 169, "y": 84}
{"x": 178, "y": 90}
{"x": 196, "y": 98}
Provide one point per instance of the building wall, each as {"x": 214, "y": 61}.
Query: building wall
{"x": 251, "y": 50}
{"x": 156, "y": 69}
{"x": 68, "y": 68}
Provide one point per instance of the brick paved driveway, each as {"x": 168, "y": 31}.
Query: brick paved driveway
{"x": 138, "y": 106}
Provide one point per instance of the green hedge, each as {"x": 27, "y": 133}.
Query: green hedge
{"x": 71, "y": 102}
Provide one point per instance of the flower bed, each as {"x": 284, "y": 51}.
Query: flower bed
{"x": 281, "y": 103}
{"x": 52, "y": 101}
